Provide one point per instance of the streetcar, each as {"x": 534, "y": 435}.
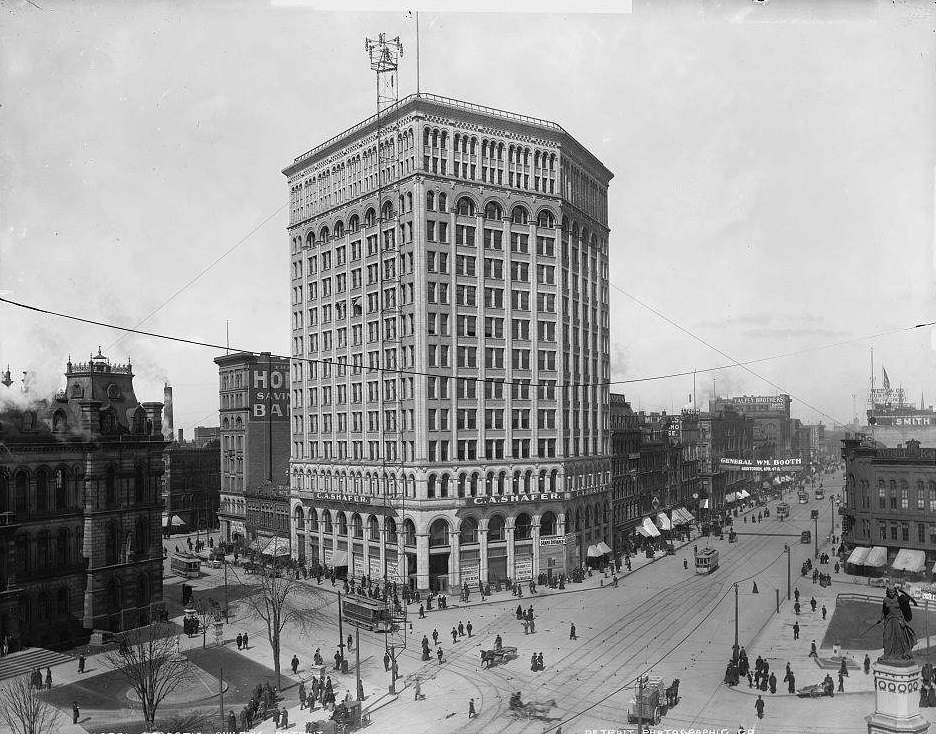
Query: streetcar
{"x": 803, "y": 498}
{"x": 366, "y": 613}
{"x": 186, "y": 565}
{"x": 819, "y": 493}
{"x": 783, "y": 510}
{"x": 706, "y": 561}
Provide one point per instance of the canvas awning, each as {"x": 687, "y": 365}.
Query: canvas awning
{"x": 176, "y": 521}
{"x": 603, "y": 547}
{"x": 704, "y": 504}
{"x": 743, "y": 494}
{"x": 730, "y": 496}
{"x": 663, "y": 522}
{"x": 276, "y": 547}
{"x": 877, "y": 557}
{"x": 679, "y": 516}
{"x": 643, "y": 532}
{"x": 858, "y": 556}
{"x": 684, "y": 513}
{"x": 339, "y": 558}
{"x": 593, "y": 552}
{"x": 651, "y": 529}
{"x": 909, "y": 560}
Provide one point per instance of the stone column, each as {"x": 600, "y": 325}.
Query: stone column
{"x": 535, "y": 534}
{"x": 422, "y": 561}
{"x": 897, "y": 700}
{"x": 483, "y": 547}
{"x": 383, "y": 547}
{"x": 509, "y": 535}
{"x": 454, "y": 560}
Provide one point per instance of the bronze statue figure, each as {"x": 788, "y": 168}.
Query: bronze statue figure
{"x": 899, "y": 637}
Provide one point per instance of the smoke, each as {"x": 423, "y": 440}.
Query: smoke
{"x": 44, "y": 366}
{"x": 618, "y": 363}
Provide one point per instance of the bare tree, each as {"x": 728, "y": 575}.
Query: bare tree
{"x": 207, "y": 612}
{"x": 274, "y": 595}
{"x": 150, "y": 660}
{"x": 23, "y": 709}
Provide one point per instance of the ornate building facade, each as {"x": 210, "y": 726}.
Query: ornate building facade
{"x": 80, "y": 509}
{"x": 451, "y": 346}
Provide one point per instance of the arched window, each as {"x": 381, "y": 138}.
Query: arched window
{"x": 339, "y": 229}
{"x": 43, "y": 555}
{"x": 357, "y": 526}
{"x": 373, "y": 528}
{"x": 22, "y": 493}
{"x": 390, "y": 530}
{"x": 522, "y": 527}
{"x": 444, "y": 486}
{"x": 409, "y": 532}
{"x": 61, "y": 548}
{"x": 110, "y": 545}
{"x": 546, "y": 219}
{"x": 520, "y": 215}
{"x": 326, "y": 517}
{"x": 548, "y": 523}
{"x": 431, "y": 486}
{"x": 468, "y": 532}
{"x": 502, "y": 482}
{"x": 110, "y": 486}
{"x": 141, "y": 541}
{"x": 42, "y": 491}
{"x": 354, "y": 223}
{"x": 475, "y": 481}
{"x": 443, "y": 202}
{"x": 430, "y": 200}
{"x": 489, "y": 484}
{"x": 300, "y": 518}
{"x": 496, "y": 529}
{"x": 139, "y": 484}
{"x": 465, "y": 207}
{"x": 493, "y": 210}
{"x": 438, "y": 533}
{"x": 4, "y": 492}
{"x": 370, "y": 218}
{"x": 323, "y": 235}
{"x": 386, "y": 212}
{"x": 61, "y": 488}
{"x": 342, "y": 524}
{"x": 554, "y": 480}
{"x": 462, "y": 484}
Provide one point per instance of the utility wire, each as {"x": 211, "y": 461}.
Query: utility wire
{"x": 198, "y": 275}
{"x": 210, "y": 345}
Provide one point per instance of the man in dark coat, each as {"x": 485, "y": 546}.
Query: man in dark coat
{"x": 812, "y": 603}
{"x": 791, "y": 682}
{"x": 759, "y": 707}
{"x": 773, "y": 683}
{"x": 796, "y": 630}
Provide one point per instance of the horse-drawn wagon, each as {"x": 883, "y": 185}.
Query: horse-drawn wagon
{"x": 490, "y": 658}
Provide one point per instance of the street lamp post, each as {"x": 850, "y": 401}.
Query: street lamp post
{"x": 816, "y": 533}
{"x": 735, "y": 648}
{"x": 789, "y": 564}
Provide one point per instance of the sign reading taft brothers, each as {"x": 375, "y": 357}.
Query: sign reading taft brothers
{"x": 269, "y": 392}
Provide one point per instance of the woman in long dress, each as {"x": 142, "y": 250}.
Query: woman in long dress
{"x": 899, "y": 637}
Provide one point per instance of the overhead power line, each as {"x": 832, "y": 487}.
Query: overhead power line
{"x": 210, "y": 345}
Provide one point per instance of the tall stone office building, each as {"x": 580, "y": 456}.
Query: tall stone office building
{"x": 450, "y": 331}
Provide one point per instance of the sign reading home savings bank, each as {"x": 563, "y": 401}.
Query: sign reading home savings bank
{"x": 761, "y": 464}
{"x": 268, "y": 394}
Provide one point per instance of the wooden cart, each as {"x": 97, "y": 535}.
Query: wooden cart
{"x": 648, "y": 701}
{"x": 490, "y": 658}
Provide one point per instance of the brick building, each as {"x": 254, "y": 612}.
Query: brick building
{"x": 772, "y": 430}
{"x": 469, "y": 246}
{"x": 724, "y": 434}
{"x": 192, "y": 485}
{"x": 254, "y": 397}
{"x": 80, "y": 509}
{"x": 625, "y": 457}
{"x": 889, "y": 508}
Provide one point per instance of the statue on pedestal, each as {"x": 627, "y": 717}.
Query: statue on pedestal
{"x": 899, "y": 637}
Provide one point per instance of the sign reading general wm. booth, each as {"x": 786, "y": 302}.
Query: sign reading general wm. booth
{"x": 269, "y": 392}
{"x": 761, "y": 464}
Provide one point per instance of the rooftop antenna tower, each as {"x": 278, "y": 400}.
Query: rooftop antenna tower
{"x": 385, "y": 57}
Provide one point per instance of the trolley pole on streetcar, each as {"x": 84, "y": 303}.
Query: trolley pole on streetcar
{"x": 735, "y": 648}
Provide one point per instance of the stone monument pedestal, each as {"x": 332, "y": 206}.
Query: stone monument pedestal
{"x": 897, "y": 700}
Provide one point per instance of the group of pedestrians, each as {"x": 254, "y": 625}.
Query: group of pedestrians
{"x": 242, "y": 640}
{"x": 928, "y": 687}
{"x": 319, "y": 690}
{"x": 35, "y": 679}
{"x": 536, "y": 662}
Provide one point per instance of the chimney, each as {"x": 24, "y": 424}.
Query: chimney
{"x": 168, "y": 431}
{"x": 181, "y": 440}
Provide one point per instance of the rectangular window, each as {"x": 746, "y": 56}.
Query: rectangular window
{"x": 468, "y": 357}
{"x": 493, "y": 239}
{"x": 546, "y": 246}
{"x": 494, "y": 389}
{"x": 494, "y": 297}
{"x": 465, "y": 295}
{"x": 464, "y": 235}
{"x": 494, "y": 358}
{"x": 519, "y": 242}
{"x": 430, "y": 230}
{"x": 493, "y": 269}
{"x": 493, "y": 327}
{"x": 465, "y": 265}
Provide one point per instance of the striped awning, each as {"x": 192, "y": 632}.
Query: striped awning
{"x": 858, "y": 556}
{"x": 663, "y": 522}
{"x": 276, "y": 547}
{"x": 704, "y": 503}
{"x": 743, "y": 494}
{"x": 910, "y": 560}
{"x": 339, "y": 558}
{"x": 730, "y": 496}
{"x": 650, "y": 528}
{"x": 877, "y": 557}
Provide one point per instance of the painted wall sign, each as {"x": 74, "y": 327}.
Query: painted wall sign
{"x": 511, "y": 499}
{"x": 269, "y": 392}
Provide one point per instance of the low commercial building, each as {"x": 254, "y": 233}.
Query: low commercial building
{"x": 889, "y": 508}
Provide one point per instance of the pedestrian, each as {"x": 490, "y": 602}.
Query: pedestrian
{"x": 337, "y": 659}
{"x": 302, "y": 695}
{"x": 231, "y": 721}
{"x": 796, "y": 608}
{"x": 295, "y": 664}
{"x": 417, "y": 690}
{"x": 471, "y": 709}
{"x": 461, "y": 630}
{"x": 439, "y": 654}
{"x": 841, "y": 682}
{"x": 796, "y": 630}
{"x": 454, "y": 635}
{"x": 75, "y": 712}
{"x": 754, "y": 591}
{"x": 812, "y": 603}
{"x": 360, "y": 690}
{"x": 759, "y": 707}
{"x": 867, "y": 664}
{"x": 240, "y": 640}
{"x": 468, "y": 627}
{"x": 539, "y": 662}
{"x": 795, "y": 594}
{"x": 812, "y": 650}
{"x": 81, "y": 663}
{"x": 572, "y": 632}
{"x": 843, "y": 669}
{"x": 350, "y": 643}
{"x": 532, "y": 625}
{"x": 519, "y": 612}
{"x": 386, "y": 662}
{"x": 435, "y": 637}
{"x": 276, "y": 718}
{"x": 246, "y": 645}
{"x": 931, "y": 697}
{"x": 773, "y": 683}
{"x": 924, "y": 696}
{"x": 823, "y": 612}
{"x": 750, "y": 680}
{"x": 48, "y": 679}
{"x": 422, "y": 612}
{"x": 526, "y": 627}
{"x": 685, "y": 563}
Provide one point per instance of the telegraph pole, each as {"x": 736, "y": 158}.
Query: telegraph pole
{"x": 735, "y": 648}
{"x": 816, "y": 536}
{"x": 340, "y": 630}
{"x": 789, "y": 565}
{"x": 357, "y": 660}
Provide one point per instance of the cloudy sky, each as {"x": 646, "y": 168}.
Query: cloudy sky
{"x": 773, "y": 187}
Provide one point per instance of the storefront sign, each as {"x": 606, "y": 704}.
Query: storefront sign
{"x": 358, "y": 565}
{"x": 328, "y": 556}
{"x": 356, "y": 499}
{"x": 553, "y": 541}
{"x": 523, "y": 568}
{"x": 761, "y": 464}
{"x": 471, "y": 573}
{"x": 775, "y": 400}
{"x": 373, "y": 565}
{"x": 269, "y": 392}
{"x": 510, "y": 499}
